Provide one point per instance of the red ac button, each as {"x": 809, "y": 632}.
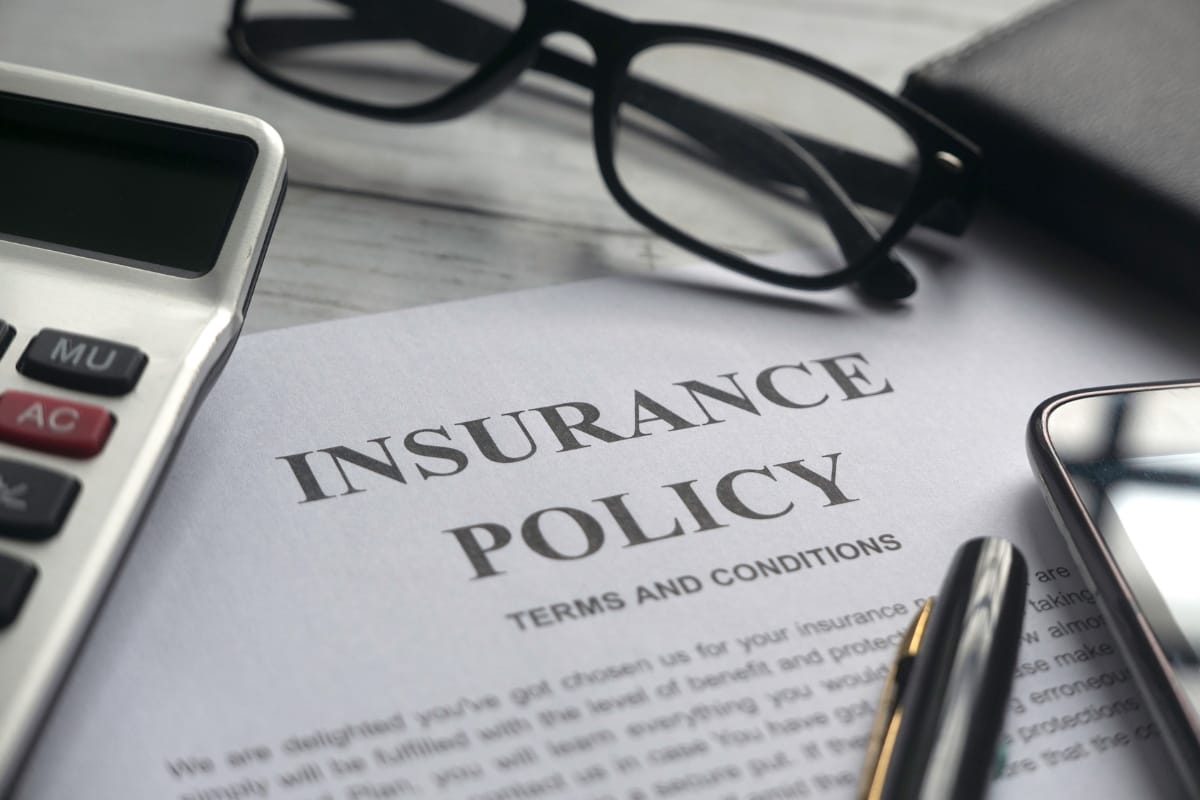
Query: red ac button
{"x": 52, "y": 425}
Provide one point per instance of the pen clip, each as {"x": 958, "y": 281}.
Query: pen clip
{"x": 882, "y": 741}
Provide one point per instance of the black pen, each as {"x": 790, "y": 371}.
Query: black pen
{"x": 938, "y": 722}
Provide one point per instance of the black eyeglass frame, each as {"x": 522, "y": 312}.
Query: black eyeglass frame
{"x": 940, "y": 195}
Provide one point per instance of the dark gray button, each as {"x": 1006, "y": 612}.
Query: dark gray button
{"x": 33, "y": 501}
{"x": 16, "y": 579}
{"x": 6, "y": 335}
{"x": 82, "y": 363}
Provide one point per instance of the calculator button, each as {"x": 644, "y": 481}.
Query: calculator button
{"x": 53, "y": 425}
{"x": 16, "y": 579}
{"x": 6, "y": 335}
{"x": 33, "y": 501}
{"x": 82, "y": 363}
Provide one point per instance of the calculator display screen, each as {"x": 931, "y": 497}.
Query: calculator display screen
{"x": 136, "y": 191}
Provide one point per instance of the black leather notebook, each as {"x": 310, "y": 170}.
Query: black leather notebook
{"x": 1088, "y": 113}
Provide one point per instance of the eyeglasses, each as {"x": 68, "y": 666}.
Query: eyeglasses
{"x": 732, "y": 147}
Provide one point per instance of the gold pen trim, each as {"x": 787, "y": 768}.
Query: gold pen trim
{"x": 887, "y": 716}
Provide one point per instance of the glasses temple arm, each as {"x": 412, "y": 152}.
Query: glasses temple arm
{"x": 877, "y": 184}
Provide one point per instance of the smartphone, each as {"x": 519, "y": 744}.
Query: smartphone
{"x": 1120, "y": 469}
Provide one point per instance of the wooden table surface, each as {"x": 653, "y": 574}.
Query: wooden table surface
{"x": 382, "y": 216}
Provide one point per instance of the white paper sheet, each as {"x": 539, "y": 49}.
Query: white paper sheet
{"x": 260, "y": 646}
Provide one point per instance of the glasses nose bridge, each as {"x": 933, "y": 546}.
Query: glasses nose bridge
{"x": 596, "y": 27}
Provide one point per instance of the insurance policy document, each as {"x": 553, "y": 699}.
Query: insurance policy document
{"x": 627, "y": 539}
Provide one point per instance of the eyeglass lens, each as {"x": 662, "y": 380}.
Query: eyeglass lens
{"x": 730, "y": 148}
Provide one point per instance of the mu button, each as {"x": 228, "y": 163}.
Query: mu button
{"x": 82, "y": 363}
{"x": 52, "y": 425}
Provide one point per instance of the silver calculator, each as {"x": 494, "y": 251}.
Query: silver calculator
{"x": 132, "y": 227}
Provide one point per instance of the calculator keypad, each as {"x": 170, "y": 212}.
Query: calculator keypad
{"x": 16, "y": 579}
{"x": 82, "y": 363}
{"x": 34, "y": 501}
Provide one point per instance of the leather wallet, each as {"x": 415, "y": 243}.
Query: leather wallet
{"x": 1088, "y": 114}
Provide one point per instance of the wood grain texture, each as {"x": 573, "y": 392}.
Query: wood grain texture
{"x": 383, "y": 216}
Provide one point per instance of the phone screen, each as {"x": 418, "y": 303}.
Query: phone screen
{"x": 1159, "y": 542}
{"x": 1133, "y": 461}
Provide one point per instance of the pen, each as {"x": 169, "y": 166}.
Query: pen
{"x": 944, "y": 698}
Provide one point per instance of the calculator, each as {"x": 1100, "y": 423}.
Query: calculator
{"x": 132, "y": 228}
